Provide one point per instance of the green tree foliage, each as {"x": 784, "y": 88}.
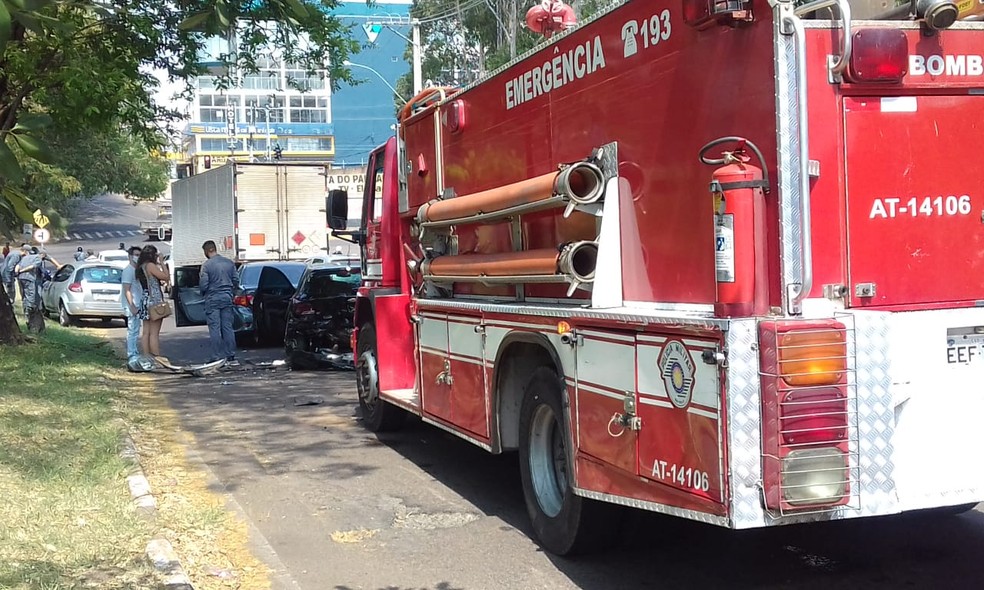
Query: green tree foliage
{"x": 88, "y": 65}
{"x": 84, "y": 164}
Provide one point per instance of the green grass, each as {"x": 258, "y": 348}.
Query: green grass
{"x": 66, "y": 520}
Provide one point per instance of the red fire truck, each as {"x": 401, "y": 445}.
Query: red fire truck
{"x": 718, "y": 259}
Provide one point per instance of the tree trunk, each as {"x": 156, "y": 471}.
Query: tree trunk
{"x": 35, "y": 318}
{"x": 10, "y": 332}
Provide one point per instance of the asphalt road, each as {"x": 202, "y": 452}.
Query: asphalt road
{"x": 102, "y": 223}
{"x": 332, "y": 505}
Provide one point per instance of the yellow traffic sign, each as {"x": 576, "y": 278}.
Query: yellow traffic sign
{"x": 40, "y": 219}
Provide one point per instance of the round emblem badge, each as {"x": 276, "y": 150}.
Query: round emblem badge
{"x": 677, "y": 369}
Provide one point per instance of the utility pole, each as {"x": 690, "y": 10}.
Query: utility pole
{"x": 417, "y": 68}
{"x": 417, "y": 51}
{"x": 266, "y": 110}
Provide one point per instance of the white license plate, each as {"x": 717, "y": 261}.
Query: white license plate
{"x": 98, "y": 297}
{"x": 962, "y": 349}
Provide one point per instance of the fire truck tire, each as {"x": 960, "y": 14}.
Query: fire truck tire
{"x": 377, "y": 414}
{"x": 563, "y": 522}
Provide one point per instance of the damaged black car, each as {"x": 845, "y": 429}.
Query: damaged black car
{"x": 319, "y": 318}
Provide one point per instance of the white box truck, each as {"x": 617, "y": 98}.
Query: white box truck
{"x": 252, "y": 211}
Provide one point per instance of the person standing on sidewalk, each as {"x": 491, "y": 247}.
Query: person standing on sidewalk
{"x": 218, "y": 282}
{"x": 26, "y": 274}
{"x": 30, "y": 274}
{"x": 9, "y": 278}
{"x": 151, "y": 274}
{"x": 131, "y": 298}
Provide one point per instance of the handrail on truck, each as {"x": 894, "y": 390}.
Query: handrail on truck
{"x": 791, "y": 24}
{"x": 839, "y": 63}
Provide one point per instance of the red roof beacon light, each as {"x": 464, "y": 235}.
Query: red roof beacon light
{"x": 879, "y": 55}
{"x": 702, "y": 14}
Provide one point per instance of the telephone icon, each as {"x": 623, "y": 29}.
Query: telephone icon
{"x": 629, "y": 32}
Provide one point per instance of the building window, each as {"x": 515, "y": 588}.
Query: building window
{"x": 262, "y": 81}
{"x": 212, "y": 107}
{"x": 304, "y": 81}
{"x": 213, "y": 144}
{"x": 212, "y": 115}
{"x": 308, "y": 109}
{"x": 306, "y": 144}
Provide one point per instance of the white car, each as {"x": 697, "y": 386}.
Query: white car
{"x": 114, "y": 257}
{"x": 84, "y": 290}
{"x": 336, "y": 258}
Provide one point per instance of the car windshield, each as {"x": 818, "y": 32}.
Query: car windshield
{"x": 249, "y": 274}
{"x": 333, "y": 283}
{"x": 102, "y": 274}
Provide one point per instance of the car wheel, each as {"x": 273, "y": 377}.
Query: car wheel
{"x": 377, "y": 414}
{"x": 64, "y": 318}
{"x": 563, "y": 522}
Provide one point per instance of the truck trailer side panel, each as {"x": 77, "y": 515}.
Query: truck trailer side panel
{"x": 203, "y": 209}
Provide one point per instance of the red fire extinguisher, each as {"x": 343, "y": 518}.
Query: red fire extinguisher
{"x": 738, "y": 189}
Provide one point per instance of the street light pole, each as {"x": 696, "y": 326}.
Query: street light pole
{"x": 417, "y": 53}
{"x": 417, "y": 68}
{"x": 266, "y": 110}
{"x": 378, "y": 75}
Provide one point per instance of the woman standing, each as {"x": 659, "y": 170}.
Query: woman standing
{"x": 151, "y": 273}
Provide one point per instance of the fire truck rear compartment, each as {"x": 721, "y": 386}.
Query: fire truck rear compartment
{"x": 915, "y": 200}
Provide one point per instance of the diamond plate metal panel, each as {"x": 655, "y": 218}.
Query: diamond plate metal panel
{"x": 875, "y": 411}
{"x": 789, "y": 175}
{"x": 871, "y": 447}
{"x": 744, "y": 423}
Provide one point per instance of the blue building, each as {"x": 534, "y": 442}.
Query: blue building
{"x": 363, "y": 116}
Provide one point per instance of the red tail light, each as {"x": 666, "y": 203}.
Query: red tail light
{"x": 243, "y": 300}
{"x": 811, "y": 416}
{"x": 806, "y": 415}
{"x": 75, "y": 287}
{"x": 301, "y": 308}
{"x": 879, "y": 55}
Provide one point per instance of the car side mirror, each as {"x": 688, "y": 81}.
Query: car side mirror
{"x": 336, "y": 207}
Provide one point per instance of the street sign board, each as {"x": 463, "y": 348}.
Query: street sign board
{"x": 42, "y": 235}
{"x": 28, "y": 229}
{"x": 231, "y": 121}
{"x": 40, "y": 219}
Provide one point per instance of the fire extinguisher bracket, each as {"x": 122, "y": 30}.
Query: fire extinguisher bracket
{"x": 717, "y": 187}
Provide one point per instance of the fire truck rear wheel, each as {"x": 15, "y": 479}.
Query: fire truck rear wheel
{"x": 564, "y": 523}
{"x": 377, "y": 414}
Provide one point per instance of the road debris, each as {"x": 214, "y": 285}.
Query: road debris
{"x": 308, "y": 400}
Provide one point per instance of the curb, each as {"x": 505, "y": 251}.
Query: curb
{"x": 159, "y": 550}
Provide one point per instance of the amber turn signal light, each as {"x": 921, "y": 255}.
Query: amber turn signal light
{"x": 812, "y": 357}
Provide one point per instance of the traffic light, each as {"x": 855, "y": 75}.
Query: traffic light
{"x": 208, "y": 162}
{"x": 277, "y": 152}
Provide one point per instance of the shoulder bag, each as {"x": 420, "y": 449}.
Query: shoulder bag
{"x": 159, "y": 311}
